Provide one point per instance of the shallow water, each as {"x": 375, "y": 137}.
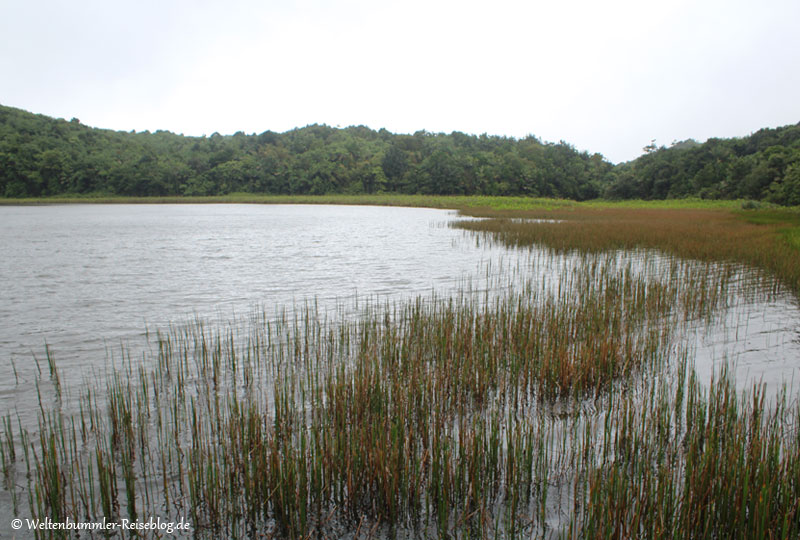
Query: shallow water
{"x": 759, "y": 340}
{"x": 85, "y": 279}
{"x": 82, "y": 279}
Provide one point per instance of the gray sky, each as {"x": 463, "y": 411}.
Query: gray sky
{"x": 603, "y": 76}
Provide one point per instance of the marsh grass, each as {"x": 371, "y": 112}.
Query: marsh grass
{"x": 562, "y": 408}
{"x": 383, "y": 199}
{"x": 765, "y": 242}
{"x": 485, "y": 202}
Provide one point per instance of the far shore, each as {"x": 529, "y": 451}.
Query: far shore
{"x": 455, "y": 202}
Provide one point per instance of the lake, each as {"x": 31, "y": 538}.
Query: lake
{"x": 83, "y": 279}
{"x": 89, "y": 281}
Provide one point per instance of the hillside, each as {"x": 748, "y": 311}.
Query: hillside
{"x": 764, "y": 166}
{"x": 42, "y": 156}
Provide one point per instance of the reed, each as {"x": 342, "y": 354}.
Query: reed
{"x": 762, "y": 241}
{"x": 564, "y": 408}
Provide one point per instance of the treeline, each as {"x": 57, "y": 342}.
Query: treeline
{"x": 43, "y": 156}
{"x": 764, "y": 166}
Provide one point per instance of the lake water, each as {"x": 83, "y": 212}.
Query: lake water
{"x": 83, "y": 279}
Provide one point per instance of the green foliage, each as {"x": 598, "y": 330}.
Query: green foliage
{"x": 762, "y": 167}
{"x": 46, "y": 157}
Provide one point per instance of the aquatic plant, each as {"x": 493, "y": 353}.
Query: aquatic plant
{"x": 562, "y": 408}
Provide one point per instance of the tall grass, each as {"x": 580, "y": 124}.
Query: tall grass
{"x": 505, "y": 203}
{"x": 705, "y": 235}
{"x": 555, "y": 409}
{"x": 382, "y": 199}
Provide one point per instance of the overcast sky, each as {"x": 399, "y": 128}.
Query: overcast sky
{"x": 603, "y": 76}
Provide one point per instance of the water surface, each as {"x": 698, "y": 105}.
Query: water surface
{"x": 83, "y": 279}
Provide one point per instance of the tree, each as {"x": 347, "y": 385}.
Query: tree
{"x": 53, "y": 171}
{"x": 394, "y": 165}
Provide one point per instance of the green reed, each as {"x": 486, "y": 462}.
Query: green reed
{"x": 561, "y": 408}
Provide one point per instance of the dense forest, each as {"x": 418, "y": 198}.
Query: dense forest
{"x": 42, "y": 156}
{"x": 764, "y": 166}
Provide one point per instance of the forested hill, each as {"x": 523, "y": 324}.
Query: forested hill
{"x": 763, "y": 166}
{"x": 42, "y": 156}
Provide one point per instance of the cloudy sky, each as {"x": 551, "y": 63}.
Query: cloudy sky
{"x": 604, "y": 76}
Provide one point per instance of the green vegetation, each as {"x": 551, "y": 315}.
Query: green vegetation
{"x": 41, "y": 156}
{"x": 46, "y": 157}
{"x": 541, "y": 411}
{"x": 564, "y": 408}
{"x": 456, "y": 202}
{"x": 764, "y": 166}
{"x": 765, "y": 239}
{"x": 382, "y": 199}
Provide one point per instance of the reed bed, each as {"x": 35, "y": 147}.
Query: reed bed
{"x": 547, "y": 409}
{"x": 699, "y": 234}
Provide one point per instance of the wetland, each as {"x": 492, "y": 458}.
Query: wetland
{"x": 339, "y": 371}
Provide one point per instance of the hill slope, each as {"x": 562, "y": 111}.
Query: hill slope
{"x": 43, "y": 156}
{"x": 763, "y": 166}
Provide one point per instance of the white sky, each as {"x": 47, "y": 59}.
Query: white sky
{"x": 603, "y": 76}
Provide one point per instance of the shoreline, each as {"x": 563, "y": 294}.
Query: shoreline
{"x": 454, "y": 202}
